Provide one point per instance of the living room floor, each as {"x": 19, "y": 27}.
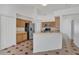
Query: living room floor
{"x": 26, "y": 48}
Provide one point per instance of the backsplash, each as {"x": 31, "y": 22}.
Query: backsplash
{"x": 20, "y": 29}
{"x": 50, "y": 29}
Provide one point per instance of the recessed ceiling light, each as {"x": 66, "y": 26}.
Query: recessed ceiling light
{"x": 44, "y": 4}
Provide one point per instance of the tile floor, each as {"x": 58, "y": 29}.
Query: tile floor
{"x": 26, "y": 48}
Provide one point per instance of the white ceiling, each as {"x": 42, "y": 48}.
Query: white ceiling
{"x": 39, "y": 9}
{"x": 49, "y": 9}
{"x": 46, "y": 10}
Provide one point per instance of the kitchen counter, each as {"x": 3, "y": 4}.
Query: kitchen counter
{"x": 20, "y": 32}
{"x": 46, "y": 33}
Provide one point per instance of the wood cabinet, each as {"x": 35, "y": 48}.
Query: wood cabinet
{"x": 21, "y": 37}
{"x": 57, "y": 22}
{"x": 49, "y": 24}
{"x": 20, "y": 22}
{"x": 24, "y": 36}
{"x": 53, "y": 24}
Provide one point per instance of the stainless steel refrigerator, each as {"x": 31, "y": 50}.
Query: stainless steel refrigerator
{"x": 29, "y": 28}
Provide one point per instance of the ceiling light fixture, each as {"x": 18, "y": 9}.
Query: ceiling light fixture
{"x": 44, "y": 4}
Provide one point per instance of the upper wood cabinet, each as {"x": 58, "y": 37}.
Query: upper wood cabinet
{"x": 57, "y": 23}
{"x": 57, "y": 20}
{"x": 48, "y": 24}
{"x": 20, "y": 23}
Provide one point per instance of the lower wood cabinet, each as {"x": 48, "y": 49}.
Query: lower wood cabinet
{"x": 20, "y": 37}
{"x": 24, "y": 36}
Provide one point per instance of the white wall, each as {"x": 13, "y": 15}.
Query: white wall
{"x": 65, "y": 26}
{"x": 68, "y": 11}
{"x": 0, "y": 32}
{"x": 8, "y": 31}
{"x": 8, "y": 23}
{"x": 67, "y": 15}
{"x": 76, "y": 32}
{"x": 7, "y": 26}
{"x": 8, "y": 14}
{"x": 28, "y": 11}
{"x": 38, "y": 27}
{"x": 7, "y": 10}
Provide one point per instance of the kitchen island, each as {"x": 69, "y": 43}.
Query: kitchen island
{"x": 47, "y": 41}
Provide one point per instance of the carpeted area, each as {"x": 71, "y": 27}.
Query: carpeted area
{"x": 26, "y": 48}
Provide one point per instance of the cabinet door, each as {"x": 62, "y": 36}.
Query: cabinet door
{"x": 57, "y": 19}
{"x": 20, "y": 23}
{"x": 19, "y": 38}
{"x": 24, "y": 36}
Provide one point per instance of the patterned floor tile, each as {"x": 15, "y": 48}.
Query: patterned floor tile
{"x": 26, "y": 48}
